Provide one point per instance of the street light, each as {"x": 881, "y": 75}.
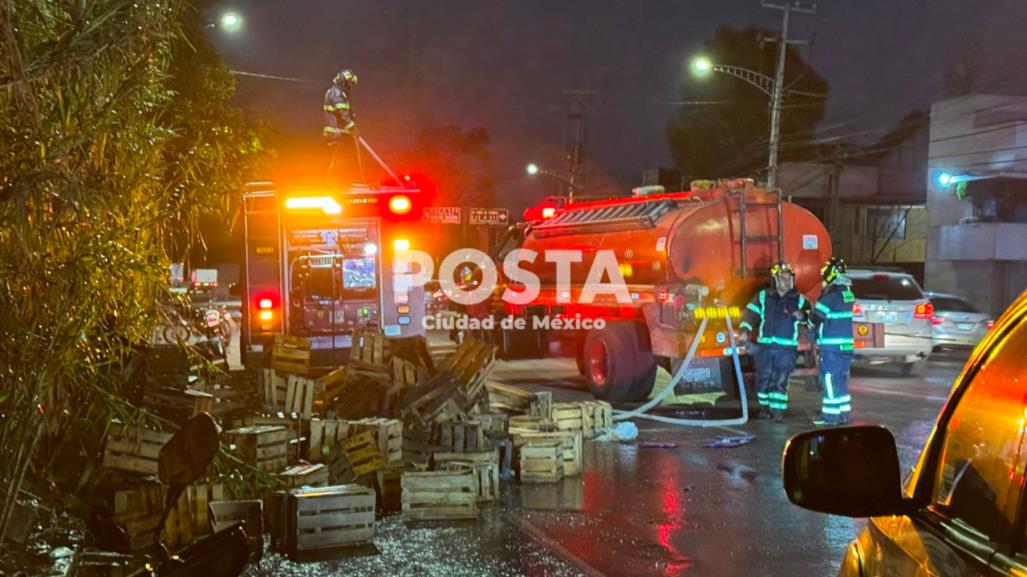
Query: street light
{"x": 533, "y": 169}
{"x": 701, "y": 66}
{"x": 231, "y": 21}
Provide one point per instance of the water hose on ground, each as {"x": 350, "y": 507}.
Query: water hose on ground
{"x": 641, "y": 412}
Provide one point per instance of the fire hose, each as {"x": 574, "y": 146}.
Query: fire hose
{"x": 642, "y": 411}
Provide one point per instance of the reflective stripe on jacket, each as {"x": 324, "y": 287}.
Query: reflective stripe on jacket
{"x": 772, "y": 317}
{"x": 832, "y": 315}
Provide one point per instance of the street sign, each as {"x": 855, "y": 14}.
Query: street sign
{"x": 496, "y": 216}
{"x": 441, "y": 214}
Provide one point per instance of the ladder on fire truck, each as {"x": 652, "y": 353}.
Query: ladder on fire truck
{"x": 745, "y": 208}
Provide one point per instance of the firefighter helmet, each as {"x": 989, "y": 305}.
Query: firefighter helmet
{"x": 780, "y": 268}
{"x": 346, "y": 78}
{"x": 832, "y": 269}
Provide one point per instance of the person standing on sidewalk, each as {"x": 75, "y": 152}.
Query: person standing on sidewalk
{"x": 832, "y": 325}
{"x": 775, "y": 314}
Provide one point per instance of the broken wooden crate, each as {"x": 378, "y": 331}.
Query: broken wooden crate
{"x": 326, "y": 519}
{"x": 224, "y": 514}
{"x": 291, "y": 394}
{"x": 133, "y": 448}
{"x": 504, "y": 398}
{"x": 541, "y": 405}
{"x": 189, "y": 518}
{"x": 137, "y": 512}
{"x": 439, "y": 496}
{"x": 484, "y": 467}
{"x": 602, "y": 416}
{"x": 541, "y": 462}
{"x": 313, "y": 475}
{"x": 530, "y": 424}
{"x": 570, "y": 440}
{"x": 471, "y": 364}
{"x": 264, "y": 446}
{"x": 176, "y": 404}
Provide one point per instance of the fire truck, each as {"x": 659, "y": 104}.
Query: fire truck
{"x": 318, "y": 264}
{"x": 684, "y": 257}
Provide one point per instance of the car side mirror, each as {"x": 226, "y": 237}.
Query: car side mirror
{"x": 188, "y": 453}
{"x": 849, "y": 471}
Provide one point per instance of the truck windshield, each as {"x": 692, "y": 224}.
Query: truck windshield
{"x": 886, "y": 287}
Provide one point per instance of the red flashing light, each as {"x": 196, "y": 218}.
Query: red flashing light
{"x": 857, "y": 309}
{"x": 924, "y": 311}
{"x": 548, "y": 212}
{"x": 663, "y": 295}
{"x": 265, "y": 304}
{"x": 400, "y": 204}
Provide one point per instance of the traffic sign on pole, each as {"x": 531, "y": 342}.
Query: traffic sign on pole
{"x": 441, "y": 214}
{"x": 489, "y": 216}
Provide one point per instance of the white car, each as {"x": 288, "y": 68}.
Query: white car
{"x": 894, "y": 299}
{"x": 957, "y": 324}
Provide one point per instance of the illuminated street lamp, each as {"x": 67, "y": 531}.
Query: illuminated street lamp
{"x": 231, "y": 21}
{"x": 533, "y": 169}
{"x": 701, "y": 66}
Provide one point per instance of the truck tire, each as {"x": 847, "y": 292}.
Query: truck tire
{"x": 618, "y": 365}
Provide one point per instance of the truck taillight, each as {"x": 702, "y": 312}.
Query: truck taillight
{"x": 924, "y": 311}
{"x": 266, "y": 315}
{"x": 548, "y": 212}
{"x": 266, "y": 307}
{"x": 265, "y": 304}
{"x": 857, "y": 310}
{"x": 400, "y": 204}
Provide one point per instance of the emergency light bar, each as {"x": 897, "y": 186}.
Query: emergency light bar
{"x": 327, "y": 204}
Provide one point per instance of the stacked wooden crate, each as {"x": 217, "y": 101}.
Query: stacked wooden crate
{"x": 132, "y": 448}
{"x": 264, "y": 446}
{"x": 313, "y": 475}
{"x": 570, "y": 442}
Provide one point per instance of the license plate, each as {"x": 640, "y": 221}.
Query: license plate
{"x": 965, "y": 326}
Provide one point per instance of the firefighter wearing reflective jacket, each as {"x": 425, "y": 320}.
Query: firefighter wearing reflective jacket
{"x": 775, "y": 314}
{"x": 832, "y": 324}
{"x": 340, "y": 129}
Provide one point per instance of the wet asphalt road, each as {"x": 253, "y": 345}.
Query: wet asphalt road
{"x": 635, "y": 511}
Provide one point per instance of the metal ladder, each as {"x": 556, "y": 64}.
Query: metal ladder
{"x": 745, "y": 239}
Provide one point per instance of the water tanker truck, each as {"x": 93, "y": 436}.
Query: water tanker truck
{"x": 683, "y": 257}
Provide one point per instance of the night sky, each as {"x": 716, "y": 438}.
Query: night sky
{"x": 503, "y": 65}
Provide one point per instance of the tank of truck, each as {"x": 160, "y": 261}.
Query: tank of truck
{"x": 688, "y": 238}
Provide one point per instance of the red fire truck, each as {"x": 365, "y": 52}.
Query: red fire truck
{"x": 318, "y": 264}
{"x": 684, "y": 257}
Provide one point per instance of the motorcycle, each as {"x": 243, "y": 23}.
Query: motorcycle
{"x": 181, "y": 461}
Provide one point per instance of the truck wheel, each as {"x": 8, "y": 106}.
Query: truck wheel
{"x": 617, "y": 365}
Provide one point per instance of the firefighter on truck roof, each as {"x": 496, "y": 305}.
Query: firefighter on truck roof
{"x": 775, "y": 314}
{"x": 340, "y": 130}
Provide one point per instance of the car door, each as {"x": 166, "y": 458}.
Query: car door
{"x": 973, "y": 475}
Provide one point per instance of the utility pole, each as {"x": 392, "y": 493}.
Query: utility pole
{"x": 779, "y": 79}
{"x": 575, "y": 137}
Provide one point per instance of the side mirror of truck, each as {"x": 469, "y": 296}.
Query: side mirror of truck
{"x": 848, "y": 471}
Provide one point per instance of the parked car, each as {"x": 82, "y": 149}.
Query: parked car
{"x": 894, "y": 299}
{"x": 957, "y": 324}
{"x": 962, "y": 509}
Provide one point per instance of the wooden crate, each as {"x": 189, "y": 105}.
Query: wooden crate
{"x": 471, "y": 363}
{"x": 328, "y": 518}
{"x": 264, "y": 446}
{"x": 506, "y": 398}
{"x": 389, "y": 486}
{"x": 388, "y": 433}
{"x": 176, "y": 404}
{"x": 224, "y": 514}
{"x": 484, "y": 466}
{"x": 462, "y": 436}
{"x": 541, "y": 405}
{"x": 189, "y": 518}
{"x": 315, "y": 475}
{"x": 133, "y": 449}
{"x": 571, "y": 441}
{"x": 363, "y": 453}
{"x": 291, "y": 355}
{"x": 273, "y": 387}
{"x": 495, "y": 425}
{"x": 530, "y": 424}
{"x": 602, "y": 415}
{"x": 568, "y": 416}
{"x": 325, "y": 436}
{"x": 439, "y": 495}
{"x": 541, "y": 462}
{"x": 300, "y": 393}
{"x": 368, "y": 346}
